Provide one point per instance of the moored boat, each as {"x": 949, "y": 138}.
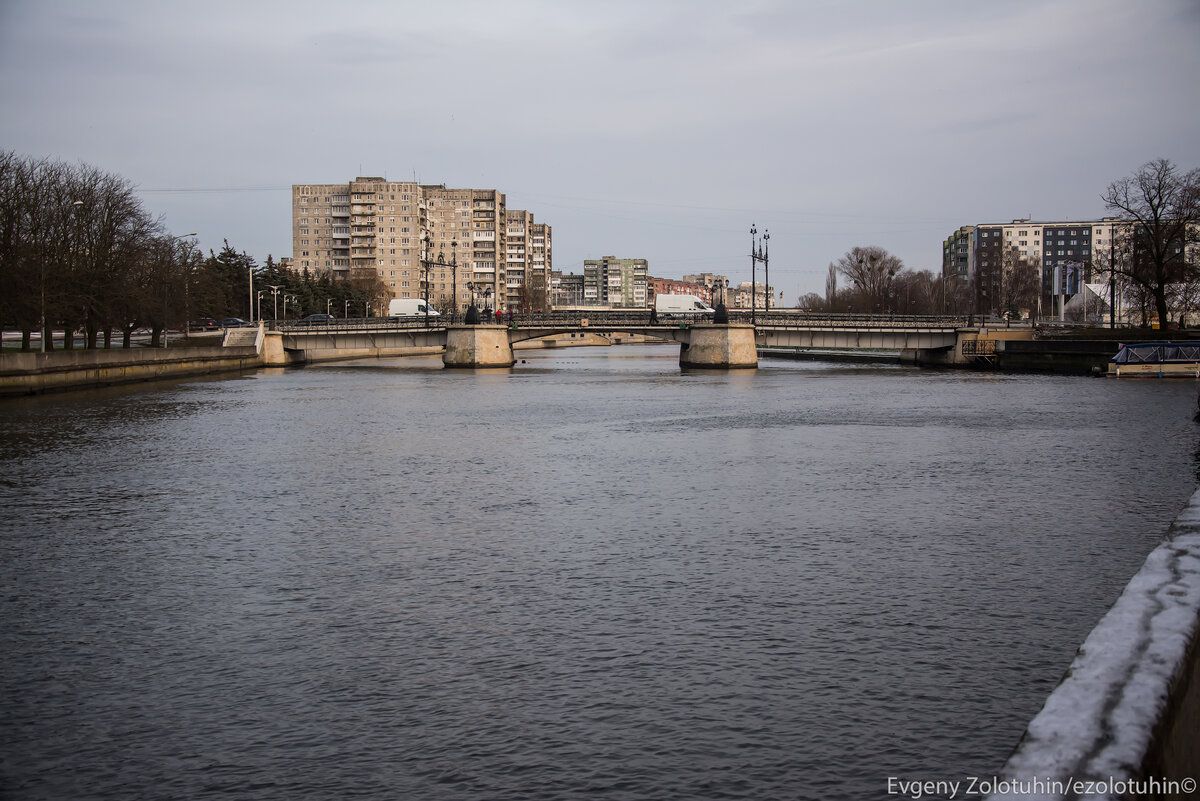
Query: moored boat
{"x": 1157, "y": 360}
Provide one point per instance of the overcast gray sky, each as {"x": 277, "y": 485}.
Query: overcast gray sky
{"x": 642, "y": 129}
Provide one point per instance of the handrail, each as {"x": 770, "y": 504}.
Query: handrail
{"x": 646, "y": 317}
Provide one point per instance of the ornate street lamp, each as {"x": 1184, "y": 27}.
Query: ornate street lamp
{"x": 472, "y": 310}
{"x": 721, "y": 313}
{"x": 758, "y": 252}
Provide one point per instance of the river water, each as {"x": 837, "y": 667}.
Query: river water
{"x": 592, "y": 576}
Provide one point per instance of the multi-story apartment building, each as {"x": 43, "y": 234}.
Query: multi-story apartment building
{"x": 747, "y": 293}
{"x": 528, "y": 262}
{"x": 979, "y": 253}
{"x": 671, "y": 286}
{"x": 475, "y": 220}
{"x": 620, "y": 283}
{"x": 417, "y": 239}
{"x": 708, "y": 280}
{"x": 956, "y": 253}
{"x": 566, "y": 289}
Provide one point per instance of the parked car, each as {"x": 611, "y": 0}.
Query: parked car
{"x": 204, "y": 324}
{"x": 317, "y": 319}
{"x": 234, "y": 322}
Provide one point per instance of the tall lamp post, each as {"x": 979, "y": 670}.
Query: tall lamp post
{"x": 275, "y": 297}
{"x": 45, "y": 326}
{"x": 472, "y": 310}
{"x": 440, "y": 261}
{"x": 758, "y": 252}
{"x": 166, "y": 327}
{"x": 721, "y": 312}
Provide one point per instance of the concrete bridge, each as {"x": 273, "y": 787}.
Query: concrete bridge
{"x": 926, "y": 340}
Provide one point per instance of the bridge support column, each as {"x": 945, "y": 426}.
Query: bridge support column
{"x": 719, "y": 346}
{"x": 478, "y": 346}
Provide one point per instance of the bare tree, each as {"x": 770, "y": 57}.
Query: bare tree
{"x": 871, "y": 270}
{"x": 1161, "y": 209}
{"x": 1018, "y": 283}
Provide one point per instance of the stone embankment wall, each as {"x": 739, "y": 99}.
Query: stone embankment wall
{"x": 1125, "y": 720}
{"x": 35, "y": 373}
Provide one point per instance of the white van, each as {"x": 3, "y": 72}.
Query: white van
{"x": 410, "y": 307}
{"x": 681, "y": 305}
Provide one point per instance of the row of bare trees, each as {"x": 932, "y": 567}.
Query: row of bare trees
{"x": 79, "y": 253}
{"x": 877, "y": 282}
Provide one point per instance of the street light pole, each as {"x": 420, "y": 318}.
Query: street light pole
{"x": 753, "y": 266}
{"x": 766, "y": 260}
{"x": 275, "y": 297}
{"x": 759, "y": 253}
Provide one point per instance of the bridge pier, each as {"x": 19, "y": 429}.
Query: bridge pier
{"x": 719, "y": 346}
{"x": 477, "y": 346}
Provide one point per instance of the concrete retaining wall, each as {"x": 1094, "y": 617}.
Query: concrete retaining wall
{"x": 1125, "y": 720}
{"x": 35, "y": 373}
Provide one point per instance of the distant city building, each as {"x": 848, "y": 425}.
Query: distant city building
{"x": 741, "y": 296}
{"x": 1057, "y": 250}
{"x": 391, "y": 229}
{"x": 619, "y": 283}
{"x": 566, "y": 289}
{"x": 527, "y": 262}
{"x": 671, "y": 286}
{"x": 707, "y": 280}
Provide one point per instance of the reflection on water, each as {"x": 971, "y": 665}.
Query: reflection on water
{"x": 592, "y": 574}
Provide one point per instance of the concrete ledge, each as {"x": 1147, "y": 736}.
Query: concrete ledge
{"x": 35, "y": 373}
{"x": 1125, "y": 720}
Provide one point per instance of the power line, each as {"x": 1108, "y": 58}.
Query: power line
{"x": 185, "y": 190}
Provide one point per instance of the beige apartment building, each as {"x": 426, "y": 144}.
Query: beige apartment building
{"x": 418, "y": 238}
{"x": 528, "y": 262}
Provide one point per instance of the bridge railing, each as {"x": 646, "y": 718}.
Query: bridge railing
{"x": 351, "y": 324}
{"x": 576, "y": 318}
{"x": 786, "y": 317}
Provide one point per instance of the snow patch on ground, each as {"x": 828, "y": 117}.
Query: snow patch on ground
{"x": 1098, "y": 723}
